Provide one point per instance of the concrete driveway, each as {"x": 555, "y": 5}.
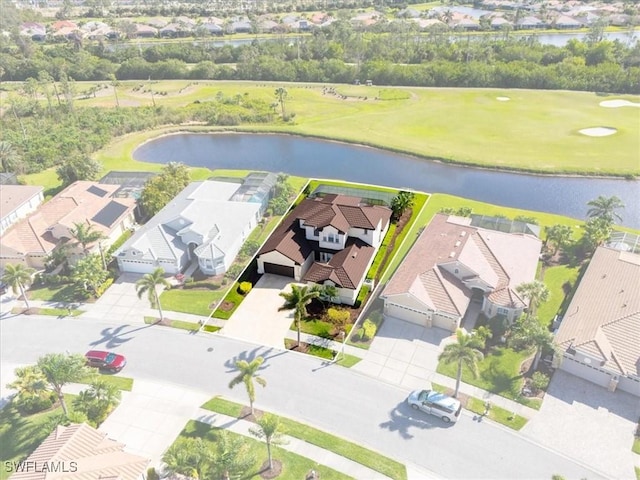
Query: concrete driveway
{"x": 257, "y": 319}
{"x": 120, "y": 302}
{"x": 588, "y": 423}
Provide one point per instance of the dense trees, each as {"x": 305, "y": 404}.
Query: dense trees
{"x": 60, "y": 369}
{"x": 161, "y": 189}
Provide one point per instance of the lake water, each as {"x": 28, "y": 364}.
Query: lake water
{"x": 307, "y": 157}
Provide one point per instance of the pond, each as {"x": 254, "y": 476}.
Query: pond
{"x": 307, "y": 157}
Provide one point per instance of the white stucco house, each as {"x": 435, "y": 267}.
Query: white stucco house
{"x": 329, "y": 240}
{"x": 453, "y": 264}
{"x": 16, "y": 202}
{"x": 202, "y": 223}
{"x": 599, "y": 336}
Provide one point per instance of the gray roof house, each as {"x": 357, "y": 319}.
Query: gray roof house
{"x": 202, "y": 223}
{"x": 599, "y": 336}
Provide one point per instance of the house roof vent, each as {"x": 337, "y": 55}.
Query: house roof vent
{"x": 458, "y": 243}
{"x": 463, "y": 234}
{"x": 452, "y": 254}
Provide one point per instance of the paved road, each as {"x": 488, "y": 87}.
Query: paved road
{"x": 352, "y": 405}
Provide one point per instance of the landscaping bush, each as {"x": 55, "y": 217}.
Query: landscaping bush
{"x": 369, "y": 330}
{"x": 498, "y": 326}
{"x": 204, "y": 284}
{"x": 362, "y": 295}
{"x": 35, "y": 403}
{"x": 103, "y": 288}
{"x": 152, "y": 474}
{"x": 244, "y": 288}
{"x": 358, "y": 335}
{"x": 338, "y": 316}
{"x": 539, "y": 381}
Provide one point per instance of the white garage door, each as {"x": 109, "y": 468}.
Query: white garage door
{"x": 585, "y": 371}
{"x": 408, "y": 314}
{"x": 134, "y": 267}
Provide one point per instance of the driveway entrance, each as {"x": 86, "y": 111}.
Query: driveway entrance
{"x": 257, "y": 319}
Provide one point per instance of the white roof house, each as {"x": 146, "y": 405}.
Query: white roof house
{"x": 201, "y": 223}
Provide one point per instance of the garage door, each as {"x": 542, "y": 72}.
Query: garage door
{"x": 588, "y": 372}
{"x": 278, "y": 269}
{"x": 407, "y": 314}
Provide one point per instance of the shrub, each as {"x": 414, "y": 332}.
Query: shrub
{"x": 102, "y": 288}
{"x": 152, "y": 474}
{"x": 31, "y": 404}
{"x": 358, "y": 335}
{"x": 234, "y": 271}
{"x": 244, "y": 288}
{"x": 338, "y": 316}
{"x": 362, "y": 295}
{"x": 369, "y": 330}
{"x": 498, "y": 326}
{"x": 539, "y": 381}
{"x": 202, "y": 284}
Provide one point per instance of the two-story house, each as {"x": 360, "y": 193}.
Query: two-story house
{"x": 454, "y": 264}
{"x": 330, "y": 240}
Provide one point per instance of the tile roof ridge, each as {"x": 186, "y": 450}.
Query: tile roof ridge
{"x": 440, "y": 279}
{"x": 35, "y": 234}
{"x": 502, "y": 273}
{"x": 163, "y": 234}
{"x": 619, "y": 319}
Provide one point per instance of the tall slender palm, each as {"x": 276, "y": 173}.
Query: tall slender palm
{"x": 17, "y": 276}
{"x": 247, "y": 373}
{"x": 536, "y": 292}
{"x": 297, "y": 300}
{"x": 84, "y": 235}
{"x": 148, "y": 284}
{"x": 281, "y": 95}
{"x": 605, "y": 207}
{"x": 60, "y": 369}
{"x": 464, "y": 351}
{"x": 268, "y": 428}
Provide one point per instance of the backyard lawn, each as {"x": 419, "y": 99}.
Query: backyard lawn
{"x": 560, "y": 280}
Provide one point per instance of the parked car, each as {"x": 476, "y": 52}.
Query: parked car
{"x": 435, "y": 403}
{"x": 110, "y": 361}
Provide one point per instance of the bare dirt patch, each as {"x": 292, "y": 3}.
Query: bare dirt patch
{"x": 598, "y": 131}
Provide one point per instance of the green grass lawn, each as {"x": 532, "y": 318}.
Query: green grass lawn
{"x": 499, "y": 373}
{"x": 232, "y": 296}
{"x": 19, "y": 436}
{"x": 122, "y": 383}
{"x": 62, "y": 293}
{"x": 181, "y": 324}
{"x": 322, "y": 439}
{"x": 294, "y": 466}
{"x": 497, "y": 414}
{"x": 555, "y": 279}
{"x": 636, "y": 445}
{"x": 57, "y": 312}
{"x": 190, "y": 300}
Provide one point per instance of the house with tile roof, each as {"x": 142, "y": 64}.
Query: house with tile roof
{"x": 327, "y": 240}
{"x": 454, "y": 265}
{"x": 207, "y": 222}
{"x": 16, "y": 202}
{"x": 80, "y": 452}
{"x": 599, "y": 335}
{"x": 32, "y": 239}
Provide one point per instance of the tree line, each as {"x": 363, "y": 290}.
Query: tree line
{"x": 341, "y": 54}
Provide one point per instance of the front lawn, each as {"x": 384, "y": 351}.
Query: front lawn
{"x": 121, "y": 383}
{"x": 322, "y": 439}
{"x": 497, "y": 414}
{"x": 192, "y": 301}
{"x": 21, "y": 435}
{"x": 499, "y": 373}
{"x": 181, "y": 324}
{"x": 62, "y": 293}
{"x": 636, "y": 445}
{"x": 294, "y": 466}
{"x": 229, "y": 303}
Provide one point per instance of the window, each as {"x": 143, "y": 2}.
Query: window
{"x": 502, "y": 311}
{"x": 325, "y": 257}
{"x": 331, "y": 238}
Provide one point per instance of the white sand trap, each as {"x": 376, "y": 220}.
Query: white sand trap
{"x": 618, "y": 104}
{"x": 598, "y": 131}
{"x": 503, "y": 99}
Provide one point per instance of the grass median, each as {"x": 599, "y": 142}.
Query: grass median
{"x": 364, "y": 456}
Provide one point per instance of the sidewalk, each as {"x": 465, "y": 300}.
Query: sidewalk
{"x": 295, "y": 445}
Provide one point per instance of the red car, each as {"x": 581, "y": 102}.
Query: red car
{"x": 110, "y": 361}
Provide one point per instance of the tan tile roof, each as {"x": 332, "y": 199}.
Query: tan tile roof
{"x": 603, "y": 318}
{"x": 95, "y": 456}
{"x": 14, "y": 196}
{"x": 500, "y": 259}
{"x": 79, "y": 202}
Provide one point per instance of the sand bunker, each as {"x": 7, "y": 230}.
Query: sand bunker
{"x": 618, "y": 104}
{"x": 598, "y": 131}
{"x": 503, "y": 99}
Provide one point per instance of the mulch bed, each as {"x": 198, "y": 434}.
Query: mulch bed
{"x": 226, "y": 306}
{"x": 267, "y": 473}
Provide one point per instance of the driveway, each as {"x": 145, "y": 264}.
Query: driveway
{"x": 404, "y": 353}
{"x": 588, "y": 423}
{"x": 120, "y": 302}
{"x": 150, "y": 417}
{"x": 257, "y": 319}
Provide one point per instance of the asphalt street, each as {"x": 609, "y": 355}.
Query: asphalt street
{"x": 330, "y": 397}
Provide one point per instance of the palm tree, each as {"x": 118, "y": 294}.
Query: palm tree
{"x": 98, "y": 400}
{"x": 328, "y": 293}
{"x": 297, "y": 300}
{"x": 605, "y": 207}
{"x": 60, "y": 369}
{"x": 84, "y": 235}
{"x": 30, "y": 382}
{"x": 463, "y": 352}
{"x": 268, "y": 427}
{"x": 189, "y": 456}
{"x": 401, "y": 202}
{"x": 528, "y": 332}
{"x": 247, "y": 374}
{"x": 536, "y": 292}
{"x": 9, "y": 158}
{"x": 559, "y": 236}
{"x": 148, "y": 284}
{"x": 17, "y": 276}
{"x": 281, "y": 95}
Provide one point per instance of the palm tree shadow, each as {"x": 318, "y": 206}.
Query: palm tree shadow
{"x": 403, "y": 417}
{"x": 250, "y": 355}
{"x": 114, "y": 337}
